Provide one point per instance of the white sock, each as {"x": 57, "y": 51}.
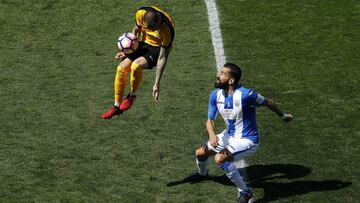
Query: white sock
{"x": 202, "y": 166}
{"x": 233, "y": 174}
{"x": 117, "y": 104}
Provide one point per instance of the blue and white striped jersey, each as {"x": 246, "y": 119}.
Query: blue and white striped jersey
{"x": 237, "y": 110}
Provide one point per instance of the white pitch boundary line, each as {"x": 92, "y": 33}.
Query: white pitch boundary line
{"x": 216, "y": 38}
{"x": 218, "y": 45}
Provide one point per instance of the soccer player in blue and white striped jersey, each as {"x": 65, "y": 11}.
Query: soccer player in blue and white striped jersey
{"x": 236, "y": 104}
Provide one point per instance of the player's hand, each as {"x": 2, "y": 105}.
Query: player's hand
{"x": 213, "y": 141}
{"x": 136, "y": 31}
{"x": 156, "y": 92}
{"x": 287, "y": 117}
{"x": 120, "y": 55}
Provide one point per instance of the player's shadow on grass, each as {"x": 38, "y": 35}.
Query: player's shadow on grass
{"x": 272, "y": 179}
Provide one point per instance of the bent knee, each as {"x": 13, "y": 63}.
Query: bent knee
{"x": 201, "y": 153}
{"x": 141, "y": 61}
{"x": 222, "y": 157}
{"x": 124, "y": 66}
{"x": 219, "y": 159}
{"x": 122, "y": 69}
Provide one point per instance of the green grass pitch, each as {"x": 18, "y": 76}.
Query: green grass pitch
{"x": 56, "y": 79}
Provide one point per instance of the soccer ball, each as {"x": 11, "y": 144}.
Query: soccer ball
{"x": 127, "y": 43}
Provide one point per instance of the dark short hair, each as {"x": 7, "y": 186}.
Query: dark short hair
{"x": 152, "y": 18}
{"x": 234, "y": 70}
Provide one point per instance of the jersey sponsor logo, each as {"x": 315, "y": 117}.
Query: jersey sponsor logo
{"x": 228, "y": 114}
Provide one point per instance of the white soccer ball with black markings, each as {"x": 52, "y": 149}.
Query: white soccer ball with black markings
{"x": 128, "y": 43}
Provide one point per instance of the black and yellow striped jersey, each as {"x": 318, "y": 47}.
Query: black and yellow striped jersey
{"x": 164, "y": 36}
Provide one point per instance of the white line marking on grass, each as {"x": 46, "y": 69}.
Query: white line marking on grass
{"x": 215, "y": 33}
{"x": 218, "y": 45}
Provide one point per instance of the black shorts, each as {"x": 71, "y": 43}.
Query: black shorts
{"x": 150, "y": 53}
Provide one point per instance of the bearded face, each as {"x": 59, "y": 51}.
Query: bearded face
{"x": 223, "y": 78}
{"x": 222, "y": 85}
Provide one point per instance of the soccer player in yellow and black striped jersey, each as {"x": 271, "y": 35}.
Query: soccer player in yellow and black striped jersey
{"x": 155, "y": 29}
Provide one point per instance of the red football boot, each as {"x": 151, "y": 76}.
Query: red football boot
{"x": 112, "y": 112}
{"x": 126, "y": 104}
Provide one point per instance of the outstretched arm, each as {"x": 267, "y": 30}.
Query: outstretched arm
{"x": 287, "y": 117}
{"x": 161, "y": 63}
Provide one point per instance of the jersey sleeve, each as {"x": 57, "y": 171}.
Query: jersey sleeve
{"x": 166, "y": 38}
{"x": 139, "y": 17}
{"x": 256, "y": 99}
{"x": 212, "y": 111}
